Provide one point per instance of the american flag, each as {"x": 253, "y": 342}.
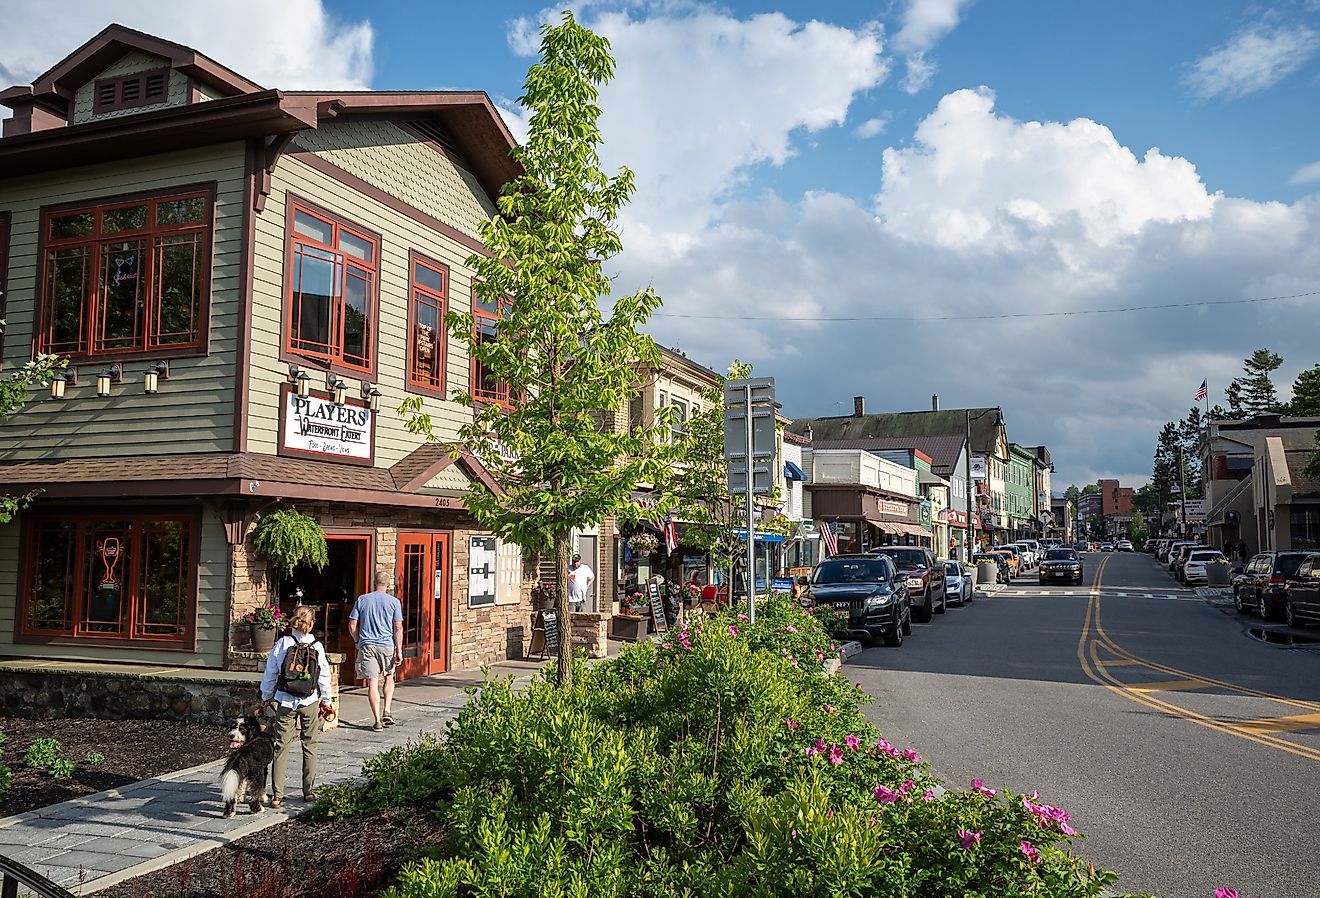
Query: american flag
{"x": 671, "y": 534}
{"x": 1200, "y": 393}
{"x": 830, "y": 534}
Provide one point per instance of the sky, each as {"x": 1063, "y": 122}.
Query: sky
{"x": 848, "y": 194}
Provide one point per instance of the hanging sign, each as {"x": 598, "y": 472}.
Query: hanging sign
{"x": 314, "y": 426}
{"x": 977, "y": 468}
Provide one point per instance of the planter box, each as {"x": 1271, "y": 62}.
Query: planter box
{"x": 630, "y": 628}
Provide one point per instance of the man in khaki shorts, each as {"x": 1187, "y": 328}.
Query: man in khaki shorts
{"x": 376, "y": 625}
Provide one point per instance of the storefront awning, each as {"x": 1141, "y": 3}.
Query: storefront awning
{"x": 793, "y": 473}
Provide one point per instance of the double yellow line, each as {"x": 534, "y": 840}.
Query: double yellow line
{"x": 1093, "y": 639}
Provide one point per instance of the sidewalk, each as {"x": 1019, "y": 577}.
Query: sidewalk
{"x": 94, "y": 842}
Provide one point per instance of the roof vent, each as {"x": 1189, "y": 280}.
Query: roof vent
{"x": 859, "y": 406}
{"x": 934, "y": 402}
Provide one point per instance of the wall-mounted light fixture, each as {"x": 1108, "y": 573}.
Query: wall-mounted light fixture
{"x": 301, "y": 380}
{"x": 337, "y": 387}
{"x": 61, "y": 379}
{"x": 152, "y": 377}
{"x": 372, "y": 396}
{"x": 112, "y": 375}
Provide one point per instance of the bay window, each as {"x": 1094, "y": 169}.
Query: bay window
{"x": 426, "y": 324}
{"x": 111, "y": 577}
{"x": 332, "y": 272}
{"x": 127, "y": 276}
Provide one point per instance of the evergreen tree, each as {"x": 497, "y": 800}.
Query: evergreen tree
{"x": 1072, "y": 493}
{"x": 1306, "y": 394}
{"x": 1189, "y": 441}
{"x": 1253, "y": 393}
{"x": 1219, "y": 413}
{"x": 1164, "y": 473}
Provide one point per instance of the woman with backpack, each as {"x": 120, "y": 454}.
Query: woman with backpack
{"x": 297, "y": 675}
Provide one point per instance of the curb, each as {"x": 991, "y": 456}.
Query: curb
{"x": 848, "y": 650}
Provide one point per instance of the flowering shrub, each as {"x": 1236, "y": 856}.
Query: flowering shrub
{"x": 643, "y": 543}
{"x": 721, "y": 762}
{"x": 266, "y": 616}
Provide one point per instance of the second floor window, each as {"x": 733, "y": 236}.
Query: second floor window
{"x": 426, "y": 345}
{"x": 332, "y": 289}
{"x": 485, "y": 386}
{"x": 125, "y": 277}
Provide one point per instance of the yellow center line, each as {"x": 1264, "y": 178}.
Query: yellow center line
{"x": 1168, "y": 686}
{"x": 1295, "y": 724}
{"x": 1094, "y": 668}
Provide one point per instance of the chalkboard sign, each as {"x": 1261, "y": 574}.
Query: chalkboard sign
{"x": 658, "y": 619}
{"x": 551, "y": 624}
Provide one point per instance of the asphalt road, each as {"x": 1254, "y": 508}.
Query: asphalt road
{"x": 1187, "y": 750}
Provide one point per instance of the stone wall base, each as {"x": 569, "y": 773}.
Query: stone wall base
{"x": 52, "y": 696}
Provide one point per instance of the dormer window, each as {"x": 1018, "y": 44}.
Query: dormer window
{"x": 130, "y": 91}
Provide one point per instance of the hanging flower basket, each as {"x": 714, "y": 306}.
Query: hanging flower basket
{"x": 287, "y": 538}
{"x": 643, "y": 543}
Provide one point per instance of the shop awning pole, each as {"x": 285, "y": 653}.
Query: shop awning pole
{"x": 751, "y": 524}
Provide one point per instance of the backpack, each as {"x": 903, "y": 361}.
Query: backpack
{"x": 300, "y": 670}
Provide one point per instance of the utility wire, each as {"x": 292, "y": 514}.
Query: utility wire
{"x": 1004, "y": 316}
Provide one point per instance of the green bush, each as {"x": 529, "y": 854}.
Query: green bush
{"x": 720, "y": 762}
{"x": 42, "y": 753}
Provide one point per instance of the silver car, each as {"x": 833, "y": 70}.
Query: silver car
{"x": 959, "y": 585}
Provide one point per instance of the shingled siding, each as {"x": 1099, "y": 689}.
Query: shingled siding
{"x": 193, "y": 412}
{"x": 386, "y": 156}
{"x": 212, "y": 588}
{"x": 399, "y": 235}
{"x": 127, "y": 65}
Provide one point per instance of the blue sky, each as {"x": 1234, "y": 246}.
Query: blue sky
{"x": 912, "y": 158}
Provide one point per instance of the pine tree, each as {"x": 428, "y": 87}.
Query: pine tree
{"x": 1253, "y": 393}
{"x": 1164, "y": 473}
{"x": 1306, "y": 394}
{"x": 1189, "y": 440}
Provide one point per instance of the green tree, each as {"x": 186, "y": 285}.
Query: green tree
{"x": 1306, "y": 394}
{"x": 564, "y": 363}
{"x": 1164, "y": 472}
{"x": 1091, "y": 489}
{"x": 14, "y": 389}
{"x": 1189, "y": 442}
{"x": 1138, "y": 531}
{"x": 1072, "y": 493}
{"x": 1253, "y": 393}
{"x": 1219, "y": 413}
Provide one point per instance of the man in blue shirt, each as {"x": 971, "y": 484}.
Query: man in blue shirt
{"x": 376, "y": 625}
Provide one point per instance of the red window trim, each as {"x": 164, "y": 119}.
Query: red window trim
{"x": 187, "y": 641}
{"x": 197, "y": 346}
{"x": 412, "y": 385}
{"x": 100, "y": 107}
{"x": 501, "y": 396}
{"x": 333, "y": 361}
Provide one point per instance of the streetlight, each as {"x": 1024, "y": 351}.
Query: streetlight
{"x": 999, "y": 422}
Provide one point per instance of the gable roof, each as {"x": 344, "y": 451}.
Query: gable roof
{"x": 985, "y": 436}
{"x": 943, "y": 449}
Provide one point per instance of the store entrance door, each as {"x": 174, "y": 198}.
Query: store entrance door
{"x": 423, "y": 583}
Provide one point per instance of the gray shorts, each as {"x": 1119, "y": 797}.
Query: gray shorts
{"x": 374, "y": 661}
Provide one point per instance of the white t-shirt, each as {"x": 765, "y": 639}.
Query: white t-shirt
{"x": 577, "y": 582}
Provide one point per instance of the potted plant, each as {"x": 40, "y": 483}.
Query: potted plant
{"x": 287, "y": 538}
{"x": 1217, "y": 572}
{"x": 263, "y": 623}
{"x": 643, "y": 543}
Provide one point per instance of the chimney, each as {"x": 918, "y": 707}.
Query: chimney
{"x": 806, "y": 432}
{"x": 859, "y": 406}
{"x": 934, "y": 402}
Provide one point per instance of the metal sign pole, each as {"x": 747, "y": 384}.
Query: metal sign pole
{"x": 751, "y": 524}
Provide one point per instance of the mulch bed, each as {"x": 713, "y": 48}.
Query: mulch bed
{"x": 133, "y": 750}
{"x": 322, "y": 858}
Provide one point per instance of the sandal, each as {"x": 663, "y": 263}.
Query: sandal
{"x": 309, "y": 796}
{"x": 387, "y": 720}
{"x": 277, "y": 801}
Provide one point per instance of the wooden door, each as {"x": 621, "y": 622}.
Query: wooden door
{"x": 423, "y": 584}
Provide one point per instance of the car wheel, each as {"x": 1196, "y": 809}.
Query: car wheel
{"x": 1077, "y": 582}
{"x": 1264, "y": 607}
{"x": 923, "y": 614}
{"x": 944, "y": 603}
{"x": 1237, "y": 602}
{"x": 1290, "y": 614}
{"x": 894, "y": 637}
{"x": 906, "y": 626}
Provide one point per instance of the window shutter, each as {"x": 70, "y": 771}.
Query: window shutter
{"x": 106, "y": 93}
{"x": 130, "y": 90}
{"x": 155, "y": 87}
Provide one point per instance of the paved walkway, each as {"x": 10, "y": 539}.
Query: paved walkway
{"x": 94, "y": 842}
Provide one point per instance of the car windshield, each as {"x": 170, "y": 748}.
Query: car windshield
{"x": 1288, "y": 564}
{"x": 851, "y": 570}
{"x": 1060, "y": 555}
{"x": 953, "y": 568}
{"x": 906, "y": 558}
{"x": 1205, "y": 556}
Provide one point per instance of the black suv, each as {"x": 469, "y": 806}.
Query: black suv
{"x": 1261, "y": 585}
{"x": 924, "y": 576}
{"x": 1061, "y": 564}
{"x": 871, "y": 590}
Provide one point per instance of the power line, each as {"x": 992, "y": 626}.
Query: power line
{"x": 1200, "y": 303}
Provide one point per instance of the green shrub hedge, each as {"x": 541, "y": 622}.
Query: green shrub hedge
{"x": 719, "y": 763}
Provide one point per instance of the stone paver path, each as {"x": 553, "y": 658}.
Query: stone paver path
{"x": 96, "y": 841}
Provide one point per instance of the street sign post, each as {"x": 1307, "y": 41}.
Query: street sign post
{"x": 749, "y": 449}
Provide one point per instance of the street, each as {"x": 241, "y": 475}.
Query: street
{"x": 1187, "y": 750}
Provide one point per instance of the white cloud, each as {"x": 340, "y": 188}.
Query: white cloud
{"x": 920, "y": 72}
{"x": 1251, "y": 61}
{"x": 924, "y": 23}
{"x": 1307, "y": 174}
{"x": 872, "y": 127}
{"x": 299, "y": 45}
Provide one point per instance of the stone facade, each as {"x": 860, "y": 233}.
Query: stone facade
{"x": 54, "y": 694}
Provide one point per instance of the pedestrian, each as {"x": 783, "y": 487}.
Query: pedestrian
{"x": 802, "y": 591}
{"x": 580, "y": 579}
{"x": 376, "y": 625}
{"x": 1242, "y": 550}
{"x": 296, "y": 682}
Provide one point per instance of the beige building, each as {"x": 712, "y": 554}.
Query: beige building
{"x": 281, "y": 263}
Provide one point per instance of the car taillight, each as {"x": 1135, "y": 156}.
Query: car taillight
{"x": 1277, "y": 579}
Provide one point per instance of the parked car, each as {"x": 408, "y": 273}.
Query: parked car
{"x": 1051, "y": 543}
{"x": 925, "y": 579}
{"x": 872, "y": 591}
{"x": 1301, "y": 593}
{"x": 1181, "y": 556}
{"x": 1011, "y": 561}
{"x": 1017, "y": 553}
{"x": 1034, "y": 547}
{"x": 959, "y": 582}
{"x": 1124, "y": 545}
{"x": 1061, "y": 564}
{"x": 1194, "y": 571}
{"x": 1262, "y": 584}
{"x": 999, "y": 560}
{"x": 1171, "y": 556}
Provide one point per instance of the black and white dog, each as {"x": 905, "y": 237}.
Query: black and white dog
{"x": 244, "y": 776}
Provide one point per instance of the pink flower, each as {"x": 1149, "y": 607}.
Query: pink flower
{"x": 829, "y": 815}
{"x": 979, "y": 786}
{"x": 733, "y": 631}
{"x": 907, "y": 787}
{"x": 820, "y": 656}
{"x": 836, "y": 755}
{"x": 969, "y": 839}
{"x": 1067, "y": 830}
{"x": 820, "y": 746}
{"x": 666, "y": 645}
{"x": 810, "y": 750}
{"x": 828, "y": 709}
{"x": 1030, "y": 852}
{"x": 911, "y": 755}
{"x": 792, "y": 834}
{"x": 853, "y": 742}
{"x": 928, "y": 795}
{"x": 792, "y": 724}
{"x": 885, "y": 796}
{"x": 1225, "y": 892}
{"x": 885, "y": 748}
{"x": 791, "y": 629}
{"x": 742, "y": 616}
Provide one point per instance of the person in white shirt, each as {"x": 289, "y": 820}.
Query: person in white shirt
{"x": 294, "y": 713}
{"x": 580, "y": 578}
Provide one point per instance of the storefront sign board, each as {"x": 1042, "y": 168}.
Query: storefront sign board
{"x": 898, "y": 509}
{"x": 314, "y": 427}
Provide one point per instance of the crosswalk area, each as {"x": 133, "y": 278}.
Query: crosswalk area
{"x": 1173, "y": 594}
